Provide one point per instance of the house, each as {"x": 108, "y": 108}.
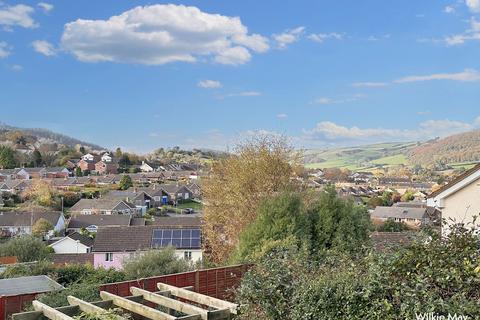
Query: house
{"x": 19, "y": 223}
{"x": 140, "y": 199}
{"x": 89, "y": 157}
{"x": 91, "y": 223}
{"x": 112, "y": 205}
{"x": 413, "y": 217}
{"x": 146, "y": 167}
{"x": 72, "y": 163}
{"x": 361, "y": 177}
{"x": 157, "y": 194}
{"x": 114, "y": 245}
{"x": 177, "y": 192}
{"x": 106, "y": 167}
{"x": 55, "y": 172}
{"x": 196, "y": 190}
{"x": 459, "y": 200}
{"x": 14, "y": 186}
{"x": 87, "y": 164}
{"x": 8, "y": 174}
{"x": 73, "y": 243}
{"x": 390, "y": 242}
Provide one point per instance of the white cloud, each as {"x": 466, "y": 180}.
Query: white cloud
{"x": 369, "y": 84}
{"x": 288, "y": 37}
{"x": 209, "y": 84}
{"x": 321, "y": 37}
{"x": 159, "y": 34}
{"x": 473, "y": 5}
{"x": 473, "y": 33}
{"x": 16, "y": 67}
{"x": 327, "y": 101}
{"x": 44, "y": 47}
{"x": 466, "y": 75}
{"x": 449, "y": 9}
{"x": 282, "y": 116}
{"x": 246, "y": 94}
{"x": 46, "y": 7}
{"x": 330, "y": 131}
{"x": 18, "y": 15}
{"x": 4, "y": 49}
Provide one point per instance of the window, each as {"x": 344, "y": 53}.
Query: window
{"x": 109, "y": 256}
{"x": 187, "y": 255}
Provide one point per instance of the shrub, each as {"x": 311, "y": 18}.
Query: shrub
{"x": 26, "y": 248}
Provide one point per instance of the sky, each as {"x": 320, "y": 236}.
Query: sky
{"x": 207, "y": 74}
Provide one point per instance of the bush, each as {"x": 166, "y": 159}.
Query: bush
{"x": 155, "y": 263}
{"x": 392, "y": 226}
{"x": 26, "y": 248}
{"x": 440, "y": 276}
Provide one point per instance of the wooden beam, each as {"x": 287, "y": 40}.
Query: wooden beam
{"x": 88, "y": 307}
{"x": 170, "y": 303}
{"x": 50, "y": 312}
{"x": 139, "y": 308}
{"x": 199, "y": 298}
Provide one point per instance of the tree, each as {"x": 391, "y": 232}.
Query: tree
{"x": 82, "y": 150}
{"x": 26, "y": 249}
{"x": 118, "y": 153}
{"x": 155, "y": 263}
{"x": 258, "y": 169}
{"x": 41, "y": 227}
{"x": 7, "y": 158}
{"x": 43, "y": 194}
{"x": 37, "y": 158}
{"x": 78, "y": 172}
{"x": 125, "y": 183}
{"x": 392, "y": 226}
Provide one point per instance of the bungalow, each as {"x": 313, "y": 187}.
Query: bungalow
{"x": 459, "y": 200}
{"x": 140, "y": 199}
{"x": 20, "y": 223}
{"x": 56, "y": 172}
{"x": 73, "y": 243}
{"x": 14, "y": 186}
{"x": 114, "y": 245}
{"x": 177, "y": 192}
{"x": 91, "y": 223}
{"x": 104, "y": 206}
{"x": 413, "y": 217}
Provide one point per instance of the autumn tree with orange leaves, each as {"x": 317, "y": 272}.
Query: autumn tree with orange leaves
{"x": 257, "y": 169}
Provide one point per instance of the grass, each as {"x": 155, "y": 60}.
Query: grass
{"x": 190, "y": 204}
{"x": 395, "y": 160}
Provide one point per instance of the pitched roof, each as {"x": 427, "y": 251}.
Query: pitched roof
{"x": 83, "y": 221}
{"x": 21, "y": 219}
{"x": 389, "y": 241}
{"x": 108, "y": 203}
{"x": 398, "y": 212}
{"x": 83, "y": 239}
{"x": 72, "y": 258}
{"x": 455, "y": 181}
{"x": 24, "y": 285}
{"x": 182, "y": 221}
{"x": 133, "y": 238}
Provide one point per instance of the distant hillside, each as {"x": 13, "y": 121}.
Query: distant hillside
{"x": 459, "y": 148}
{"x": 33, "y": 138}
{"x": 361, "y": 157}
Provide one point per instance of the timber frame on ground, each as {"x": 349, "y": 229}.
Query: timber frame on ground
{"x": 175, "y": 303}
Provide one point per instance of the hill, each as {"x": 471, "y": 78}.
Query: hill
{"x": 459, "y": 148}
{"x": 32, "y": 138}
{"x": 361, "y": 157}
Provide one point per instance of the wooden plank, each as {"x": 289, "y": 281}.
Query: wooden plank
{"x": 171, "y": 303}
{"x": 199, "y": 298}
{"x": 50, "y": 312}
{"x": 137, "y": 308}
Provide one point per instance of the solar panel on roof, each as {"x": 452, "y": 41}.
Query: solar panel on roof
{"x": 178, "y": 238}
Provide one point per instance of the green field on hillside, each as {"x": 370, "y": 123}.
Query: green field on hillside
{"x": 360, "y": 158}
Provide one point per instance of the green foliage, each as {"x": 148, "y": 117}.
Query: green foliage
{"x": 37, "y": 158}
{"x": 125, "y": 183}
{"x": 78, "y": 172}
{"x": 85, "y": 291}
{"x": 435, "y": 274}
{"x": 7, "y": 158}
{"x": 70, "y": 198}
{"x": 155, "y": 263}
{"x": 329, "y": 222}
{"x": 26, "y": 248}
{"x": 41, "y": 227}
{"x": 392, "y": 226}
{"x": 111, "y": 314}
{"x": 43, "y": 267}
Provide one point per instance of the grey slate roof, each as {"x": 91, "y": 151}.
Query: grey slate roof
{"x": 83, "y": 221}
{"x": 85, "y": 240}
{"x": 24, "y": 285}
{"x": 108, "y": 203}
{"x": 22, "y": 219}
{"x": 398, "y": 212}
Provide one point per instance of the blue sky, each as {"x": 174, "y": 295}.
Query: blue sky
{"x": 141, "y": 75}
